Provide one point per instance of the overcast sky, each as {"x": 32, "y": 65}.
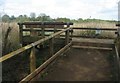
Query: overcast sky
{"x": 74, "y": 9}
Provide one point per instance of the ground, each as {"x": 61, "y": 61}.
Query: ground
{"x": 81, "y": 65}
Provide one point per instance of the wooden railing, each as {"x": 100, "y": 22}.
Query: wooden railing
{"x": 117, "y": 50}
{"x": 31, "y": 26}
{"x": 31, "y": 47}
{"x": 117, "y": 63}
{"x": 87, "y": 32}
{"x": 83, "y": 28}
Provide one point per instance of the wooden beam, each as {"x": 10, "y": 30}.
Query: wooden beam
{"x": 51, "y": 46}
{"x": 43, "y": 32}
{"x": 7, "y": 56}
{"x": 67, "y": 37}
{"x": 46, "y": 30}
{"x": 51, "y": 36}
{"x": 117, "y": 63}
{"x": 32, "y": 32}
{"x": 83, "y": 28}
{"x": 45, "y": 26}
{"x": 119, "y": 32}
{"x": 45, "y": 64}
{"x": 45, "y": 23}
{"x": 32, "y": 60}
{"x": 90, "y": 47}
{"x": 21, "y": 33}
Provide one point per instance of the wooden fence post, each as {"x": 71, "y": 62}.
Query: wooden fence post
{"x": 118, "y": 31}
{"x": 21, "y": 33}
{"x": 71, "y": 31}
{"x": 67, "y": 37}
{"x": 43, "y": 30}
{"x": 55, "y": 29}
{"x": 32, "y": 32}
{"x": 32, "y": 60}
{"x": 51, "y": 46}
{"x": 43, "y": 33}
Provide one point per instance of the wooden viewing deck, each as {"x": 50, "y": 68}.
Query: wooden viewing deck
{"x": 77, "y": 59}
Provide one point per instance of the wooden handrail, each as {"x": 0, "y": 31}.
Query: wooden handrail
{"x": 7, "y": 56}
{"x": 45, "y": 64}
{"x": 109, "y": 29}
{"x": 117, "y": 62}
{"x": 45, "y": 23}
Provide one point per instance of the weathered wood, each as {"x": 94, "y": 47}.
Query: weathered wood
{"x": 71, "y": 31}
{"x": 43, "y": 32}
{"x": 32, "y": 32}
{"x": 32, "y": 60}
{"x": 46, "y": 30}
{"x": 80, "y": 36}
{"x": 119, "y": 32}
{"x": 7, "y": 56}
{"x": 51, "y": 36}
{"x": 90, "y": 47}
{"x": 84, "y": 36}
{"x": 45, "y": 26}
{"x": 45, "y": 64}
{"x": 45, "y": 23}
{"x": 51, "y": 46}
{"x": 109, "y": 29}
{"x": 67, "y": 37}
{"x": 81, "y": 28}
{"x": 55, "y": 29}
{"x": 21, "y": 33}
{"x": 117, "y": 63}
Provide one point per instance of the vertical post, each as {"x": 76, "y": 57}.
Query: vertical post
{"x": 119, "y": 31}
{"x": 55, "y": 29}
{"x": 43, "y": 32}
{"x": 67, "y": 37}
{"x": 54, "y": 32}
{"x": 32, "y": 32}
{"x": 32, "y": 60}
{"x": 51, "y": 46}
{"x": 71, "y": 31}
{"x": 21, "y": 34}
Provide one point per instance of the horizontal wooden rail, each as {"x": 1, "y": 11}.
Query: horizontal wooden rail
{"x": 45, "y": 64}
{"x": 109, "y": 29}
{"x": 45, "y": 23}
{"x": 7, "y": 56}
{"x": 91, "y": 47}
{"x": 41, "y": 30}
